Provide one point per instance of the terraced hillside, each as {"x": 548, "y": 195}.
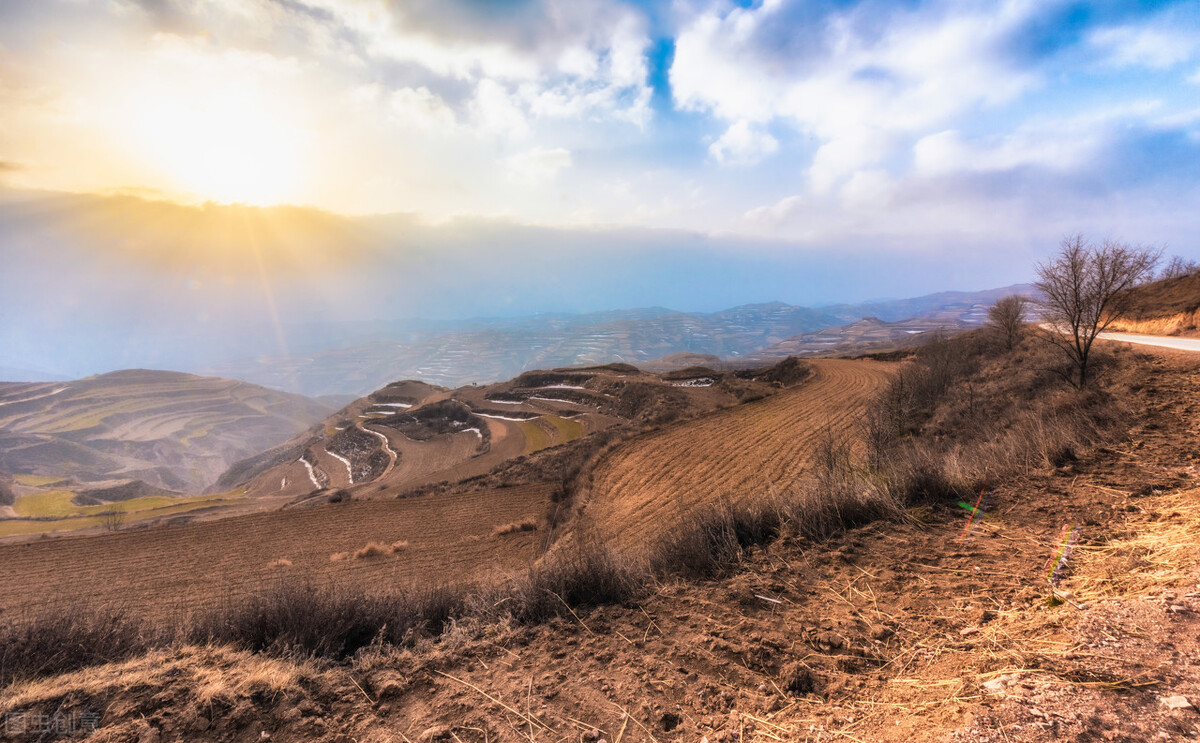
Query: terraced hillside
{"x": 74, "y": 449}
{"x": 737, "y": 453}
{"x": 410, "y": 434}
{"x": 501, "y": 444}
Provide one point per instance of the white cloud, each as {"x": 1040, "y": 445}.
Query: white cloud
{"x": 743, "y": 144}
{"x": 417, "y": 108}
{"x": 1144, "y": 46}
{"x": 772, "y": 215}
{"x": 494, "y": 111}
{"x": 861, "y": 93}
{"x": 537, "y": 166}
{"x": 1195, "y": 78}
{"x": 1061, "y": 147}
{"x": 577, "y": 59}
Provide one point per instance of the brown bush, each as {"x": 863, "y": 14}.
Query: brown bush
{"x": 514, "y": 527}
{"x": 373, "y": 549}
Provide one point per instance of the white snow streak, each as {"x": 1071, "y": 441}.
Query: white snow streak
{"x": 504, "y": 417}
{"x": 343, "y": 460}
{"x": 312, "y": 475}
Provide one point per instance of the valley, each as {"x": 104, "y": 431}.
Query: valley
{"x": 487, "y": 351}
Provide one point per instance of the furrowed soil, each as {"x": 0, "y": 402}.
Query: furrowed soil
{"x": 172, "y": 570}
{"x": 740, "y": 453}
{"x": 921, "y": 630}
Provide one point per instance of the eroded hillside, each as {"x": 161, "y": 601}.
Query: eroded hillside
{"x": 130, "y": 441}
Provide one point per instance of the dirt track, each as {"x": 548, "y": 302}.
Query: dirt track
{"x": 739, "y": 452}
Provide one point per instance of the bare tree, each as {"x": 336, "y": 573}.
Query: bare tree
{"x": 1177, "y": 267}
{"x": 112, "y": 520}
{"x": 1007, "y": 319}
{"x": 1084, "y": 290}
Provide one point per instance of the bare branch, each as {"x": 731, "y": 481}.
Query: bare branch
{"x": 1085, "y": 288}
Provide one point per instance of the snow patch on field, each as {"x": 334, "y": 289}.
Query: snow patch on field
{"x": 555, "y": 399}
{"x": 393, "y": 404}
{"x": 701, "y": 382}
{"x": 387, "y": 445}
{"x": 510, "y": 402}
{"x": 561, "y": 387}
{"x": 476, "y": 431}
{"x": 343, "y": 460}
{"x": 504, "y": 417}
{"x": 312, "y": 475}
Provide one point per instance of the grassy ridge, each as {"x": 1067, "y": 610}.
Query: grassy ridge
{"x": 52, "y": 511}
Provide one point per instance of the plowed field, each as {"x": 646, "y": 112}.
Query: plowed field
{"x": 155, "y": 572}
{"x": 648, "y": 482}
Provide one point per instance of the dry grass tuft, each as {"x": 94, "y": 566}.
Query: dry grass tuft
{"x": 1159, "y": 554}
{"x": 282, "y": 562}
{"x": 373, "y": 549}
{"x": 399, "y": 546}
{"x": 514, "y": 527}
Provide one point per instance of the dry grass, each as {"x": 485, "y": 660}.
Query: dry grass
{"x": 1175, "y": 324}
{"x": 399, "y": 546}
{"x": 514, "y": 527}
{"x": 1159, "y": 554}
{"x": 282, "y": 562}
{"x": 372, "y": 549}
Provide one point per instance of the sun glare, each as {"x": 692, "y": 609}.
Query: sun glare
{"x": 229, "y": 146}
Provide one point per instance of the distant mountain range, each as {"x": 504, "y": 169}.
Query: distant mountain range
{"x": 485, "y": 351}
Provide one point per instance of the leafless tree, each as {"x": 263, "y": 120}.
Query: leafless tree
{"x": 1177, "y": 267}
{"x": 1084, "y": 290}
{"x": 112, "y": 520}
{"x": 1007, "y": 319}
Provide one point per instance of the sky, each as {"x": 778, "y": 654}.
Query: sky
{"x": 538, "y": 155}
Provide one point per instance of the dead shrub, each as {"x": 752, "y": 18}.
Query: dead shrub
{"x": 71, "y": 638}
{"x": 327, "y": 621}
{"x": 373, "y": 549}
{"x": 709, "y": 541}
{"x": 399, "y": 546}
{"x": 514, "y": 527}
{"x": 586, "y": 573}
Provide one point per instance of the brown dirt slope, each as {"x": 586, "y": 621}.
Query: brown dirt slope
{"x": 920, "y": 631}
{"x": 1165, "y": 307}
{"x": 650, "y": 482}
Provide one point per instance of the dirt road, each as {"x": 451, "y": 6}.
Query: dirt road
{"x": 1162, "y": 341}
{"x": 740, "y": 452}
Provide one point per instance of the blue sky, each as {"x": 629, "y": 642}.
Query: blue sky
{"x": 841, "y": 150}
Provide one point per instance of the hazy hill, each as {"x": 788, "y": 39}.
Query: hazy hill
{"x": 168, "y": 430}
{"x": 484, "y": 351}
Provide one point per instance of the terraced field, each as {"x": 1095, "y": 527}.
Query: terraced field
{"x": 169, "y": 569}
{"x": 645, "y": 484}
{"x": 173, "y": 431}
